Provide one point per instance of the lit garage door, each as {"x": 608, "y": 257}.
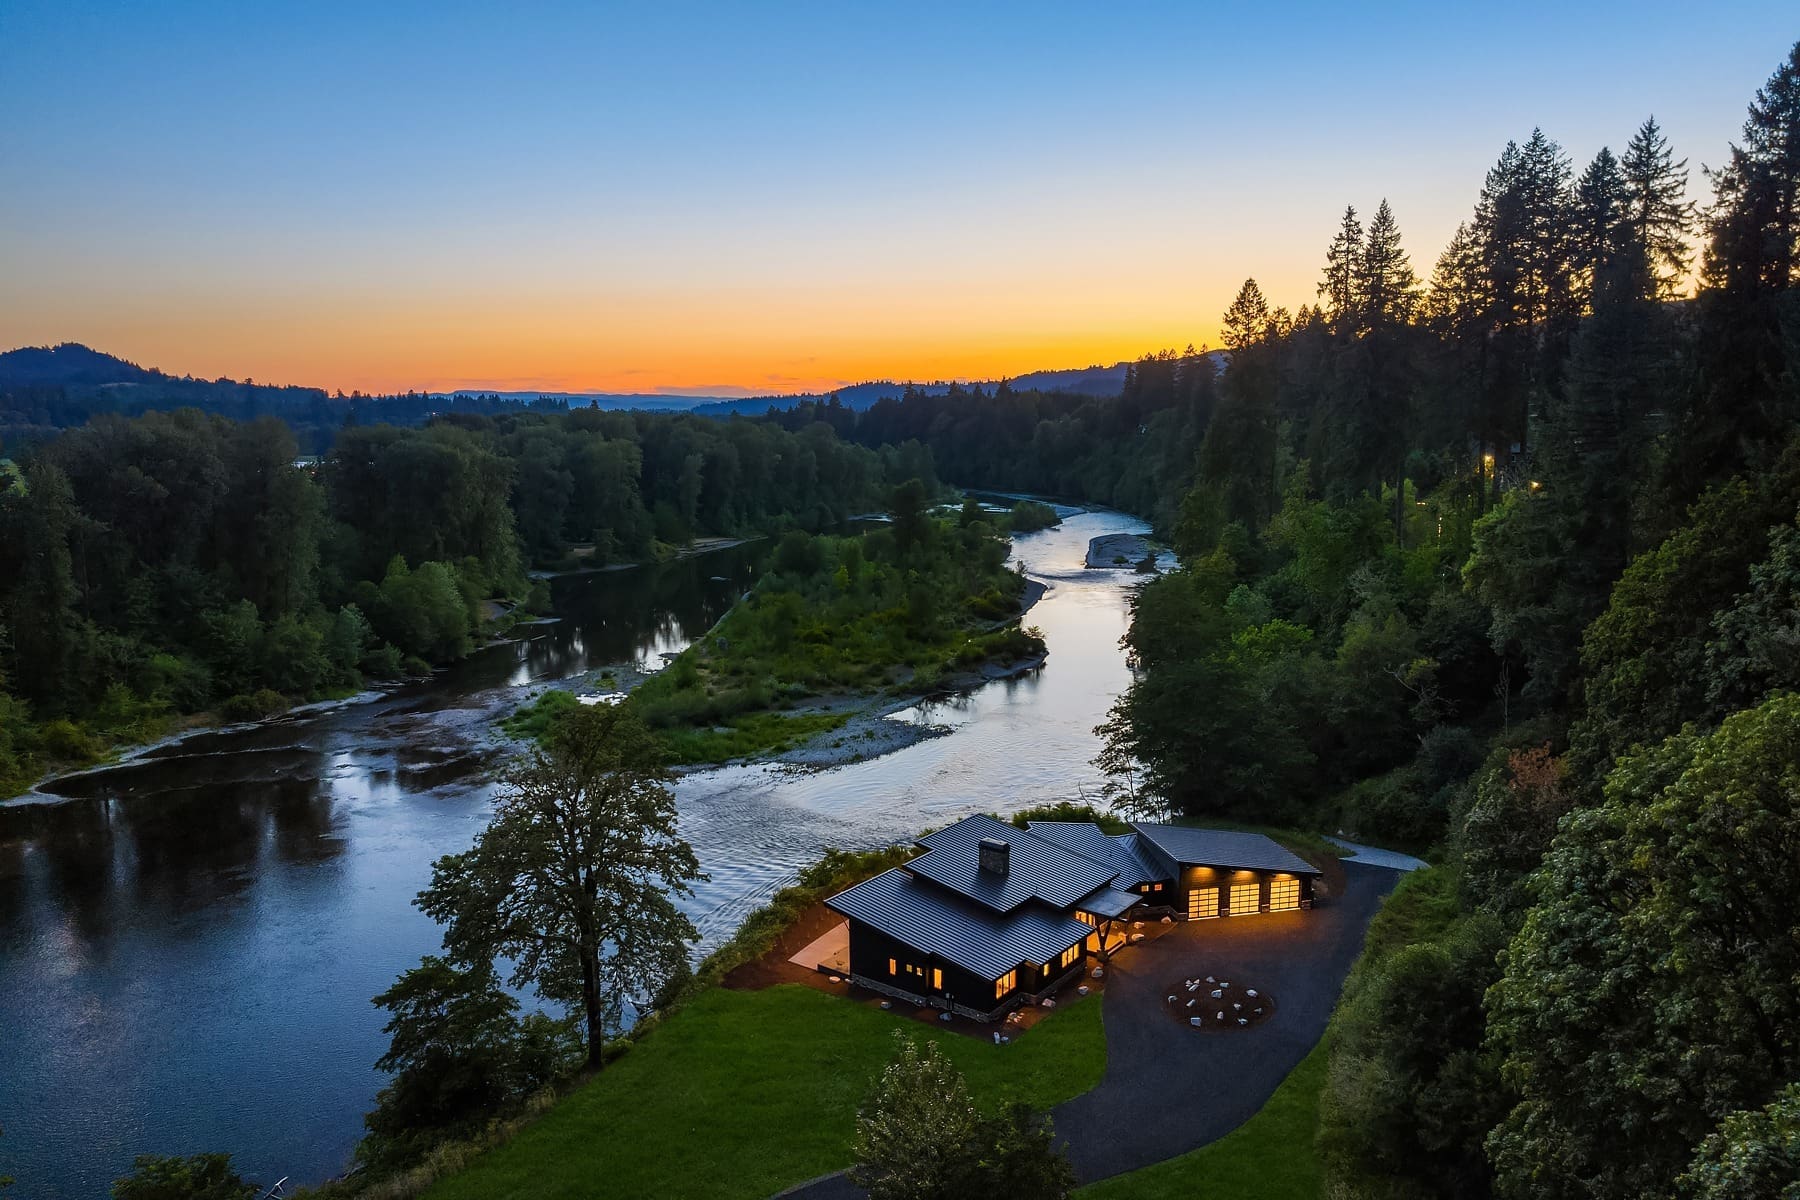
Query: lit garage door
{"x": 1284, "y": 894}
{"x": 1245, "y": 898}
{"x": 1203, "y": 903}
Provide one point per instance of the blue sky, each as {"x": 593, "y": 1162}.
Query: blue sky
{"x": 748, "y": 197}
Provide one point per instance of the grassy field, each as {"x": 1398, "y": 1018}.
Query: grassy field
{"x": 744, "y": 1093}
{"x": 1269, "y": 1157}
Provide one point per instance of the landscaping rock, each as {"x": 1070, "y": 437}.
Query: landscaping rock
{"x": 1218, "y": 993}
{"x": 1082, "y": 990}
{"x": 1194, "y": 1021}
{"x": 1049, "y": 1003}
{"x": 1168, "y": 920}
{"x": 887, "y": 1004}
{"x": 1099, "y": 973}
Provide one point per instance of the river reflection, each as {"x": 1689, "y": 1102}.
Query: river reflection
{"x": 189, "y": 941}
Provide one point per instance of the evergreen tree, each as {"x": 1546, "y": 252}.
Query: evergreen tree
{"x": 1341, "y": 288}
{"x": 1600, "y": 212}
{"x": 1386, "y": 288}
{"x": 1247, "y": 320}
{"x": 1657, "y": 207}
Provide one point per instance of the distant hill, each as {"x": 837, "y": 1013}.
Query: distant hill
{"x": 1084, "y": 381}
{"x": 68, "y": 365}
{"x": 46, "y": 388}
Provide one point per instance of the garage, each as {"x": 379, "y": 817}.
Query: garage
{"x": 1203, "y": 903}
{"x": 1246, "y": 898}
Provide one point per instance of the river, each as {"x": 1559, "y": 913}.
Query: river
{"x": 189, "y": 941}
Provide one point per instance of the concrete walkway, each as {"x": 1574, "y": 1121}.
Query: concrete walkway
{"x": 1169, "y": 1088}
{"x": 1393, "y": 860}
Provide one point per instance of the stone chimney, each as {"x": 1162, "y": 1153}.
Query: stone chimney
{"x": 994, "y": 855}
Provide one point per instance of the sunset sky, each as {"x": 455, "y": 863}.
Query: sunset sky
{"x": 750, "y": 199}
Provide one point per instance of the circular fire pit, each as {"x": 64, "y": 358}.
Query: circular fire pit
{"x": 1208, "y": 1002}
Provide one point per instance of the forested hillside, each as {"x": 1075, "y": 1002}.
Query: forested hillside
{"x": 1502, "y": 564}
{"x": 1505, "y": 564}
{"x": 178, "y": 562}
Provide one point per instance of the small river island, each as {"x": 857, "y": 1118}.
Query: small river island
{"x": 838, "y": 633}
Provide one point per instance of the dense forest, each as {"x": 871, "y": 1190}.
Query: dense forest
{"x": 178, "y": 562}
{"x": 1505, "y": 563}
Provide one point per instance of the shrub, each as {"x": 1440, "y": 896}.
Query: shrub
{"x": 258, "y": 705}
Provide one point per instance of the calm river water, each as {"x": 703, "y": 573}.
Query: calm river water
{"x": 188, "y": 942}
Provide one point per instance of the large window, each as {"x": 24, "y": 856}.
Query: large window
{"x": 937, "y": 979}
{"x": 1284, "y": 894}
{"x": 1070, "y": 955}
{"x": 1245, "y": 898}
{"x": 1203, "y": 903}
{"x": 1005, "y": 984}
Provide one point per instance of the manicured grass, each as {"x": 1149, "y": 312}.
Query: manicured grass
{"x": 752, "y": 733}
{"x": 1269, "y": 1157}
{"x": 744, "y": 1093}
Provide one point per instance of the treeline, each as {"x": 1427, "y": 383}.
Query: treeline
{"x": 1505, "y": 564}
{"x": 177, "y": 562}
{"x": 1135, "y": 451}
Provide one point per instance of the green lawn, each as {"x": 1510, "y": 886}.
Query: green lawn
{"x": 1269, "y": 1157}
{"x": 744, "y": 1093}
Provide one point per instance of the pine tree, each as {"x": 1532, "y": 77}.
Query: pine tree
{"x": 1600, "y": 226}
{"x": 1340, "y": 287}
{"x": 1658, "y": 209}
{"x": 1754, "y": 222}
{"x": 1747, "y": 394}
{"x": 1247, "y": 320}
{"x": 1386, "y": 286}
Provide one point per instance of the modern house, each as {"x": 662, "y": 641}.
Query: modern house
{"x": 990, "y": 917}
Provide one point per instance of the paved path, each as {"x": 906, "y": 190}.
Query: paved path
{"x": 1168, "y": 1088}
{"x": 1392, "y": 859}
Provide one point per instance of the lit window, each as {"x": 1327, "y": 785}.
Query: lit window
{"x": 892, "y": 968}
{"x": 1245, "y": 898}
{"x": 1070, "y": 955}
{"x": 1284, "y": 894}
{"x": 1203, "y": 903}
{"x": 937, "y": 978}
{"x": 1156, "y": 887}
{"x": 1005, "y": 984}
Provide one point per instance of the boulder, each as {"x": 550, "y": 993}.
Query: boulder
{"x": 1218, "y": 994}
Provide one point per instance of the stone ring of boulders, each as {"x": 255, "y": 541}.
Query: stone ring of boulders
{"x": 1208, "y": 1002}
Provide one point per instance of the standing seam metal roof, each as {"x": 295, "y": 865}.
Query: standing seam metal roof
{"x": 1090, "y": 841}
{"x": 941, "y": 923}
{"x": 1223, "y": 848}
{"x": 1036, "y": 869}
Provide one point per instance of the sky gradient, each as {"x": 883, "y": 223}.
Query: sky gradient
{"x": 723, "y": 200}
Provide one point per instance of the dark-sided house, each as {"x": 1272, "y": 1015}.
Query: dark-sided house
{"x": 991, "y": 916}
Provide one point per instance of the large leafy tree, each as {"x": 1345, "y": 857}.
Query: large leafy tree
{"x": 1754, "y": 1154}
{"x": 193, "y": 1177}
{"x": 574, "y": 879}
{"x": 1650, "y": 992}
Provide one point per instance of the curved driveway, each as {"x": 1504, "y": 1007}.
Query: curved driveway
{"x": 1168, "y": 1088}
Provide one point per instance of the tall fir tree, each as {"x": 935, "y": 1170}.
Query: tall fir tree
{"x": 1340, "y": 289}
{"x": 1660, "y": 214}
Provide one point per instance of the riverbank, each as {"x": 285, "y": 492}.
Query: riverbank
{"x": 830, "y": 731}
{"x": 695, "y": 548}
